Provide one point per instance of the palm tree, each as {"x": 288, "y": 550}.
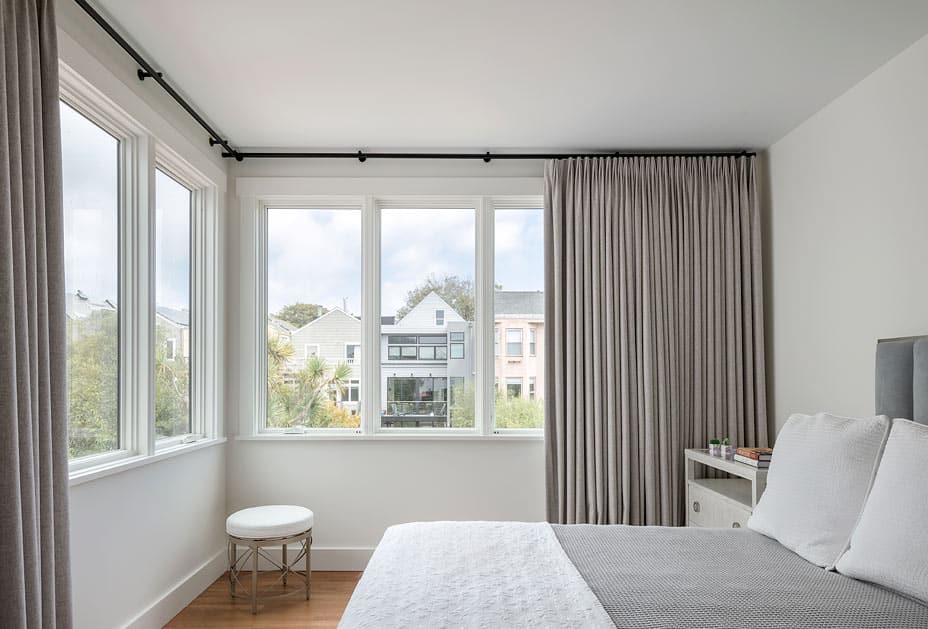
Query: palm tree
{"x": 306, "y": 400}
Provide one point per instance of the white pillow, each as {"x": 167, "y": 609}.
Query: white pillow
{"x": 818, "y": 480}
{"x": 889, "y": 547}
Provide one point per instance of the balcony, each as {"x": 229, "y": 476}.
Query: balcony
{"x": 415, "y": 414}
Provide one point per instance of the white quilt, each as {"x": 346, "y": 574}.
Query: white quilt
{"x": 472, "y": 574}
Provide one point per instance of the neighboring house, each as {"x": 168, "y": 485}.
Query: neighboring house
{"x": 518, "y": 342}
{"x": 79, "y": 307}
{"x": 424, "y": 356}
{"x": 336, "y": 338}
{"x": 174, "y": 325}
{"x": 280, "y": 329}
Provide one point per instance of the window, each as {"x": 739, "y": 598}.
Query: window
{"x": 141, "y": 243}
{"x": 426, "y": 282}
{"x": 513, "y": 341}
{"x": 417, "y": 402}
{"x": 313, "y": 285}
{"x": 519, "y": 304}
{"x": 90, "y": 165}
{"x": 172, "y": 306}
{"x": 420, "y": 308}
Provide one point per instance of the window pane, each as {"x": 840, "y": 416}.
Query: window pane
{"x": 313, "y": 269}
{"x": 519, "y": 313}
{"x": 172, "y": 307}
{"x": 90, "y": 165}
{"x": 427, "y": 293}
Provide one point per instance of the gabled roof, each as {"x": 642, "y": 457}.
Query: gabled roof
{"x": 430, "y": 302}
{"x": 175, "y": 316}
{"x": 78, "y": 305}
{"x": 332, "y": 311}
{"x": 519, "y": 302}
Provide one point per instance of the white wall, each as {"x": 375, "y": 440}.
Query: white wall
{"x": 848, "y": 239}
{"x": 144, "y": 541}
{"x": 358, "y": 489}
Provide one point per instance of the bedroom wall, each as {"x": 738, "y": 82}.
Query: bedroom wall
{"x": 848, "y": 239}
{"x": 146, "y": 540}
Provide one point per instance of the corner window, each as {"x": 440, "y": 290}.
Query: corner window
{"x": 172, "y": 306}
{"x": 412, "y": 301}
{"x": 313, "y": 287}
{"x": 518, "y": 304}
{"x": 90, "y": 169}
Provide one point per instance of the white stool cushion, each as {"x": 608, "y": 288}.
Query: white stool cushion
{"x": 269, "y": 521}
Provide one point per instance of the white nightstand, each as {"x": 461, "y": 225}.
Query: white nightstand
{"x": 721, "y": 502}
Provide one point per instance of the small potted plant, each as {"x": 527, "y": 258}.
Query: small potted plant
{"x": 715, "y": 447}
{"x": 728, "y": 452}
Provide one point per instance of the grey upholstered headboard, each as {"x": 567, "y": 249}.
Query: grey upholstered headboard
{"x": 902, "y": 378}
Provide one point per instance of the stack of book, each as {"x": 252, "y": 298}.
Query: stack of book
{"x": 757, "y": 457}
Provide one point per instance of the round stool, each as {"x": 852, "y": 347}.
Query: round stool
{"x": 258, "y": 527}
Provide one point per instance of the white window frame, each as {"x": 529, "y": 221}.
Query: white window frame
{"x": 307, "y": 354}
{"x": 532, "y": 340}
{"x": 139, "y": 154}
{"x": 255, "y": 208}
{"x": 357, "y": 354}
{"x": 204, "y": 307}
{"x": 521, "y": 342}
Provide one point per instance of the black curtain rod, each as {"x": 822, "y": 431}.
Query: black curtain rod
{"x": 361, "y": 156}
{"x": 147, "y": 71}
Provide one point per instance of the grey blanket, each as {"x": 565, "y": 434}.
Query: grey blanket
{"x": 651, "y": 577}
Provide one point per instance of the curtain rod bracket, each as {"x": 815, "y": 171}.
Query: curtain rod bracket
{"x": 487, "y": 158}
{"x": 362, "y": 157}
{"x": 143, "y": 74}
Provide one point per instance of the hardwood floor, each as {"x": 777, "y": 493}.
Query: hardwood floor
{"x": 214, "y": 607}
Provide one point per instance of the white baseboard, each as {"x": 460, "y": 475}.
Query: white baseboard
{"x": 323, "y": 558}
{"x": 172, "y": 602}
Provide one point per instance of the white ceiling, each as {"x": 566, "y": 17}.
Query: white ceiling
{"x": 494, "y": 74}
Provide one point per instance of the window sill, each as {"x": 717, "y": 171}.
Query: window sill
{"x": 341, "y": 436}
{"x": 79, "y": 477}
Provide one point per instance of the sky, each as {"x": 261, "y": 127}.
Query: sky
{"x": 414, "y": 244}
{"x": 91, "y": 191}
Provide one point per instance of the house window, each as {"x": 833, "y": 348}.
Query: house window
{"x": 352, "y": 391}
{"x": 457, "y": 350}
{"x": 90, "y": 169}
{"x": 170, "y": 349}
{"x": 513, "y": 341}
{"x": 422, "y": 347}
{"x": 416, "y": 402}
{"x": 172, "y": 305}
{"x": 519, "y": 304}
{"x": 496, "y": 341}
{"x": 411, "y": 296}
{"x": 313, "y": 269}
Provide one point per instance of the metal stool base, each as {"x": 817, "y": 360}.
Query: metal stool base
{"x": 238, "y": 564}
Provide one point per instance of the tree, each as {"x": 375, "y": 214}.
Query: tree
{"x": 299, "y": 314}
{"x": 457, "y": 292}
{"x": 172, "y": 387}
{"x": 304, "y": 397}
{"x": 93, "y": 383}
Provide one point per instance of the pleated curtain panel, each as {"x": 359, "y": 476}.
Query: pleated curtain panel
{"x": 655, "y": 339}
{"x": 35, "y": 576}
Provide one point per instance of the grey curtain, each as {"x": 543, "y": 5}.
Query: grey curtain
{"x": 34, "y": 579}
{"x": 655, "y": 339}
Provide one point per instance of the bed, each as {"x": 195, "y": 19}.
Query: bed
{"x": 510, "y": 574}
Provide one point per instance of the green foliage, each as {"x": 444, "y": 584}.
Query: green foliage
{"x": 457, "y": 292}
{"x": 303, "y": 398}
{"x": 299, "y": 314}
{"x": 93, "y": 384}
{"x": 172, "y": 385}
{"x": 519, "y": 412}
{"x": 511, "y": 412}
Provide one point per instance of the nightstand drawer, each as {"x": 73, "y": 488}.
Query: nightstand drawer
{"x": 707, "y": 508}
